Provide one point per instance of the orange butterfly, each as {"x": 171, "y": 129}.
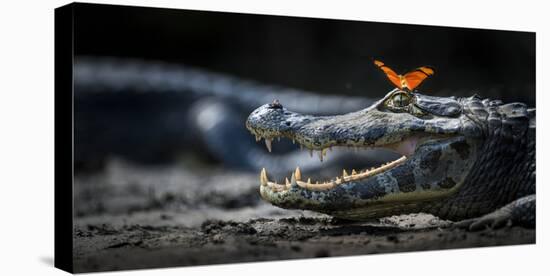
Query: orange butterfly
{"x": 409, "y": 81}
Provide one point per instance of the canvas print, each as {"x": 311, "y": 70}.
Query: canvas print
{"x": 202, "y": 137}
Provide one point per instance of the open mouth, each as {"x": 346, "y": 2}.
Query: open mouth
{"x": 405, "y": 148}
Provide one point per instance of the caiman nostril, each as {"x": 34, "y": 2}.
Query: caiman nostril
{"x": 275, "y": 104}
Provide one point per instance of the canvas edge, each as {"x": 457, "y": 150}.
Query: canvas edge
{"x": 63, "y": 174}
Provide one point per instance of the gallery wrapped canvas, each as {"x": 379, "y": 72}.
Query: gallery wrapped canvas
{"x": 198, "y": 137}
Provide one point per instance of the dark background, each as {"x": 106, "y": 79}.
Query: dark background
{"x": 322, "y": 55}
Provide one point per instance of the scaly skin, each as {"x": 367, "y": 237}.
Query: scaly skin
{"x": 467, "y": 159}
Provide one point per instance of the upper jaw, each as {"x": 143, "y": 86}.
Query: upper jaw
{"x": 368, "y": 128}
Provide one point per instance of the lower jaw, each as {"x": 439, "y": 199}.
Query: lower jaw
{"x": 298, "y": 180}
{"x": 405, "y": 148}
{"x": 291, "y": 194}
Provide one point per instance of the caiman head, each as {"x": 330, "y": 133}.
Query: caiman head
{"x": 436, "y": 137}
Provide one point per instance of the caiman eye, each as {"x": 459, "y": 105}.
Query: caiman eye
{"x": 400, "y": 100}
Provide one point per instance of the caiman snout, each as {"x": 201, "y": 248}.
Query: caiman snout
{"x": 272, "y": 120}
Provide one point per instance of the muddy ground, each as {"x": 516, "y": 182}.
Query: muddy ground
{"x": 131, "y": 217}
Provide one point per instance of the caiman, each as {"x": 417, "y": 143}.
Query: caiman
{"x": 470, "y": 160}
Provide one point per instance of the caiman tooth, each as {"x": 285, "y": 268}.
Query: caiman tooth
{"x": 268, "y": 144}
{"x": 298, "y": 173}
{"x": 293, "y": 182}
{"x": 353, "y": 172}
{"x": 309, "y": 181}
{"x": 344, "y": 173}
{"x": 286, "y": 181}
{"x": 263, "y": 177}
{"x": 258, "y": 138}
{"x": 322, "y": 154}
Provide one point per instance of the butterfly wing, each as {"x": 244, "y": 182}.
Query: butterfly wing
{"x": 390, "y": 74}
{"x": 414, "y": 78}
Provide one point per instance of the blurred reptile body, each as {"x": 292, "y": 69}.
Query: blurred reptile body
{"x": 464, "y": 159}
{"x": 153, "y": 111}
